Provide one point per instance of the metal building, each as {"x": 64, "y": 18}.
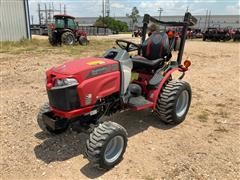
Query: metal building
{"x": 14, "y": 20}
{"x": 221, "y": 21}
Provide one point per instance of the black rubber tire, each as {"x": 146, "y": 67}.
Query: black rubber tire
{"x": 167, "y": 102}
{"x": 66, "y": 35}
{"x": 43, "y": 109}
{"x": 98, "y": 141}
{"x": 52, "y": 41}
{"x": 83, "y": 41}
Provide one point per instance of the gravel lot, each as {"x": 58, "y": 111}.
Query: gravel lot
{"x": 205, "y": 146}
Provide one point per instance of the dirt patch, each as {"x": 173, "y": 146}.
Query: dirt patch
{"x": 206, "y": 145}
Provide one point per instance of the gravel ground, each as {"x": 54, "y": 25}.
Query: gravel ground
{"x": 205, "y": 146}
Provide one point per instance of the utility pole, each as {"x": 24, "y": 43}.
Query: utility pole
{"x": 107, "y": 8}
{"x": 65, "y": 9}
{"x": 46, "y": 14}
{"x": 32, "y": 19}
{"x": 199, "y": 23}
{"x": 209, "y": 18}
{"x": 205, "y": 24}
{"x": 103, "y": 11}
{"x": 160, "y": 10}
{"x": 39, "y": 14}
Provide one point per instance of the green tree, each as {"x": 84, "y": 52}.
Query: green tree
{"x": 115, "y": 25}
{"x": 133, "y": 16}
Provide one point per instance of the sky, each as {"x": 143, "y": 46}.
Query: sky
{"x": 93, "y": 8}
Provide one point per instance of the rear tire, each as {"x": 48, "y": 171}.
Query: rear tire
{"x": 106, "y": 145}
{"x": 174, "y": 102}
{"x": 68, "y": 38}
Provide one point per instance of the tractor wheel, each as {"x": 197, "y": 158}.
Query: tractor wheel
{"x": 106, "y": 145}
{"x": 52, "y": 41}
{"x": 43, "y": 109}
{"x": 174, "y": 101}
{"x": 68, "y": 38}
{"x": 83, "y": 41}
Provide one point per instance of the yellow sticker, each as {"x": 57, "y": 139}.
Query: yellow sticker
{"x": 95, "y": 63}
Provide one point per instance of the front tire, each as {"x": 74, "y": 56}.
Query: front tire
{"x": 106, "y": 145}
{"x": 52, "y": 41}
{"x": 83, "y": 41}
{"x": 44, "y": 109}
{"x": 174, "y": 102}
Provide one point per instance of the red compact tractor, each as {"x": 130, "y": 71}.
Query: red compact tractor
{"x": 65, "y": 30}
{"x": 82, "y": 91}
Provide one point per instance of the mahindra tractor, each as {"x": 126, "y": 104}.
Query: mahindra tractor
{"x": 65, "y": 30}
{"x": 82, "y": 91}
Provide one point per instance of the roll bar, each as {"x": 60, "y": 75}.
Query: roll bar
{"x": 189, "y": 20}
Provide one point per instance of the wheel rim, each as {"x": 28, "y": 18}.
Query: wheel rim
{"x": 114, "y": 149}
{"x": 182, "y": 103}
{"x": 83, "y": 41}
{"x": 69, "y": 39}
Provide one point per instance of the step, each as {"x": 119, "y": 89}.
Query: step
{"x": 139, "y": 103}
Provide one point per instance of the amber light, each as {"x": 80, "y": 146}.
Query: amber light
{"x": 187, "y": 63}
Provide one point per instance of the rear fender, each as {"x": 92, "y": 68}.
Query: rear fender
{"x": 67, "y": 30}
{"x": 153, "y": 94}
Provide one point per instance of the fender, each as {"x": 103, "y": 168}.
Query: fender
{"x": 67, "y": 30}
{"x": 153, "y": 94}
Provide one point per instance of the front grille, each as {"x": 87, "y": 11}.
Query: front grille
{"x": 64, "y": 99}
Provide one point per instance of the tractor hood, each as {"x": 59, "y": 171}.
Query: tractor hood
{"x": 86, "y": 67}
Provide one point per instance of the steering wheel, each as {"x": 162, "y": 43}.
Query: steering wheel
{"x": 127, "y": 45}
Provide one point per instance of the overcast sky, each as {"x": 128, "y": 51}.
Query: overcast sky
{"x": 93, "y": 8}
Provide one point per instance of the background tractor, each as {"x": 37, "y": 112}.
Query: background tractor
{"x": 216, "y": 34}
{"x": 65, "y": 30}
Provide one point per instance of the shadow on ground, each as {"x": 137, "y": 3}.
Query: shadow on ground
{"x": 70, "y": 144}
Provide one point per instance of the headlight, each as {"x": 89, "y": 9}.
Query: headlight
{"x": 66, "y": 82}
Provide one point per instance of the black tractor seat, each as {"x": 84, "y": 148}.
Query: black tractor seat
{"x": 142, "y": 64}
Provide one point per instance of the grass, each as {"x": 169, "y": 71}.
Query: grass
{"x": 125, "y": 33}
{"x": 33, "y": 46}
{"x": 203, "y": 117}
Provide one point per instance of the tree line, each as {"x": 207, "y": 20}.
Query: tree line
{"x": 116, "y": 25}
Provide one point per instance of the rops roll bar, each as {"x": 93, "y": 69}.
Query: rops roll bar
{"x": 189, "y": 20}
